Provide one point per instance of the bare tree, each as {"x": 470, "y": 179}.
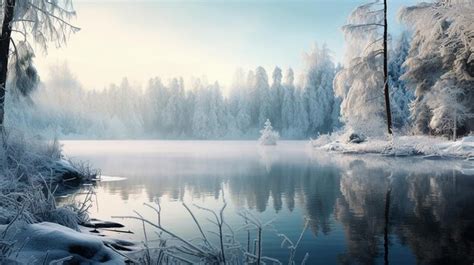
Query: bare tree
{"x": 40, "y": 21}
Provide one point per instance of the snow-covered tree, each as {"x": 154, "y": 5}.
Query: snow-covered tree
{"x": 263, "y": 99}
{"x": 239, "y": 103}
{"x": 336, "y": 108}
{"x": 301, "y": 119}
{"x": 449, "y": 107}
{"x": 200, "y": 122}
{"x": 41, "y": 21}
{"x": 361, "y": 83}
{"x": 288, "y": 105}
{"x": 277, "y": 94}
{"x": 441, "y": 57}
{"x": 268, "y": 135}
{"x": 318, "y": 89}
{"x": 400, "y": 95}
{"x": 173, "y": 112}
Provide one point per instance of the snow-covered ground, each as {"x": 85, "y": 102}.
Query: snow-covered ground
{"x": 426, "y": 146}
{"x": 51, "y": 243}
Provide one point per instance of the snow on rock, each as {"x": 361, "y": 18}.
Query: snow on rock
{"x": 356, "y": 138}
{"x": 429, "y": 147}
{"x": 268, "y": 137}
{"x": 96, "y": 223}
{"x": 49, "y": 243}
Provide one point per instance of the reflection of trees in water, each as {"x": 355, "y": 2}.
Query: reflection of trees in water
{"x": 438, "y": 222}
{"x": 315, "y": 187}
{"x": 320, "y": 188}
{"x": 431, "y": 213}
{"x": 253, "y": 183}
{"x": 361, "y": 210}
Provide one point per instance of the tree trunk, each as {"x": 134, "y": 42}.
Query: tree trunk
{"x": 385, "y": 234}
{"x": 385, "y": 70}
{"x": 8, "y": 9}
{"x": 455, "y": 127}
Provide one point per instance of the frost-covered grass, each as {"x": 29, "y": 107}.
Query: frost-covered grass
{"x": 32, "y": 172}
{"x": 218, "y": 246}
{"x": 427, "y": 146}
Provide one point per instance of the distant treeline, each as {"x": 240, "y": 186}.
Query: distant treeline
{"x": 430, "y": 78}
{"x": 62, "y": 107}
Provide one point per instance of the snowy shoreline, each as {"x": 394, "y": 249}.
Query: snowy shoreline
{"x": 424, "y": 146}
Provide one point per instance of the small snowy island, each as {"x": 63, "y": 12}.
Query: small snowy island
{"x": 268, "y": 135}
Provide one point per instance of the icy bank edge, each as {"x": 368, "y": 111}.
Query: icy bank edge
{"x": 425, "y": 146}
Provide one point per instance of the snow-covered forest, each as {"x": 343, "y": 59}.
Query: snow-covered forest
{"x": 431, "y": 69}
{"x": 169, "y": 110}
{"x": 430, "y": 72}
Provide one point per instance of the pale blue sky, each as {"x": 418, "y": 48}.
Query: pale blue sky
{"x": 142, "y": 39}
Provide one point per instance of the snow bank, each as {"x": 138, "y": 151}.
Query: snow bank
{"x": 33, "y": 172}
{"x": 404, "y": 166}
{"x": 429, "y": 147}
{"x": 50, "y": 243}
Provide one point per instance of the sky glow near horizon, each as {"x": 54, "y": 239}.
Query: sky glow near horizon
{"x": 144, "y": 39}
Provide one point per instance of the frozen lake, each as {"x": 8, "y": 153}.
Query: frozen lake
{"x": 430, "y": 214}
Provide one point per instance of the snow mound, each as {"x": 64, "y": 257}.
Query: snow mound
{"x": 50, "y": 243}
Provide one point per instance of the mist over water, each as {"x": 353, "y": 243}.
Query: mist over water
{"x": 431, "y": 217}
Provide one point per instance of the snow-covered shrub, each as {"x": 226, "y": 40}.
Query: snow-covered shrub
{"x": 37, "y": 159}
{"x": 268, "y": 136}
{"x": 32, "y": 172}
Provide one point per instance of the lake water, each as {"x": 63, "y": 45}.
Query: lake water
{"x": 430, "y": 212}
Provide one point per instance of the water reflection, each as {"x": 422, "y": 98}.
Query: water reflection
{"x": 431, "y": 211}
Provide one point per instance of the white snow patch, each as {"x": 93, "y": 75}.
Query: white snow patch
{"x": 48, "y": 243}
